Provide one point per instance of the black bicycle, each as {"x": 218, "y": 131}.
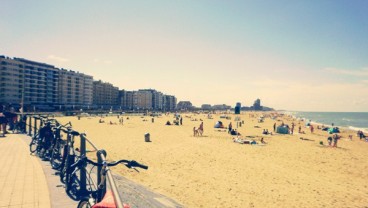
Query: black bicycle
{"x": 69, "y": 155}
{"x": 58, "y": 146}
{"x": 42, "y": 140}
{"x": 89, "y": 195}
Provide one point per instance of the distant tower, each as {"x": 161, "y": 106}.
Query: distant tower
{"x": 237, "y": 108}
{"x": 257, "y": 105}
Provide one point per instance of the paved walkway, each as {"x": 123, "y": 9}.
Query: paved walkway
{"x": 26, "y": 181}
{"x": 22, "y": 180}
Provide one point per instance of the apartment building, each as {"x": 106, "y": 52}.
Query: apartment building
{"x": 144, "y": 99}
{"x": 105, "y": 94}
{"x": 32, "y": 82}
{"x": 75, "y": 89}
{"x": 169, "y": 102}
{"x": 43, "y": 86}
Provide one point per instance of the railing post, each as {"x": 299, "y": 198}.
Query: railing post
{"x": 101, "y": 192}
{"x": 83, "y": 174}
{"x": 35, "y": 126}
{"x": 29, "y": 126}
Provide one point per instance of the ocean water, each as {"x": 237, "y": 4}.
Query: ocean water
{"x": 351, "y": 120}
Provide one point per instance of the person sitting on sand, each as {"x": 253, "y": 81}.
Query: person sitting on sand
{"x": 168, "y": 123}
{"x": 263, "y": 141}
{"x": 230, "y": 128}
{"x": 101, "y": 121}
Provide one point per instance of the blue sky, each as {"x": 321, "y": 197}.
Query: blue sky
{"x": 295, "y": 55}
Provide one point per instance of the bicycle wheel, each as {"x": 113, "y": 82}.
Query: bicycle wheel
{"x": 34, "y": 144}
{"x": 85, "y": 203}
{"x": 57, "y": 155}
{"x": 73, "y": 185}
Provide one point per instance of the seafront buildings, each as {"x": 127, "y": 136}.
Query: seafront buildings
{"x": 40, "y": 86}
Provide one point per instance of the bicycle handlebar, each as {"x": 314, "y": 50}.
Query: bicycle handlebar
{"x": 129, "y": 164}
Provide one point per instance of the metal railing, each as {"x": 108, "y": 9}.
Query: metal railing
{"x": 101, "y": 157}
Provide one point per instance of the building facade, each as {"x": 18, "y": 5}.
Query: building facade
{"x": 42, "y": 86}
{"x": 75, "y": 89}
{"x": 28, "y": 82}
{"x": 105, "y": 94}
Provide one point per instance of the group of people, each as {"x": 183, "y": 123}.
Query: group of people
{"x": 332, "y": 140}
{"x": 8, "y": 116}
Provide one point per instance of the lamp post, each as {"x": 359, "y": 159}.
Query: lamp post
{"x": 23, "y": 89}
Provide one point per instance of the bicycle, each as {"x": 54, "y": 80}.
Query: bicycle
{"x": 91, "y": 195}
{"x": 42, "y": 140}
{"x": 57, "y": 151}
{"x": 69, "y": 155}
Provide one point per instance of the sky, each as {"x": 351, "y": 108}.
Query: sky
{"x": 309, "y": 55}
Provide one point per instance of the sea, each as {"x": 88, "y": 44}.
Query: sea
{"x": 351, "y": 120}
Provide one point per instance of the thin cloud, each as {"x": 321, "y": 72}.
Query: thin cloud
{"x": 102, "y": 61}
{"x": 359, "y": 72}
{"x": 57, "y": 58}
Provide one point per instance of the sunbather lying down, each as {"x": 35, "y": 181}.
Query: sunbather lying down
{"x": 243, "y": 141}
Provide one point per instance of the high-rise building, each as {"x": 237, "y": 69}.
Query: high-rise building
{"x": 30, "y": 82}
{"x": 169, "y": 102}
{"x": 75, "y": 89}
{"x": 144, "y": 100}
{"x": 237, "y": 108}
{"x": 105, "y": 94}
{"x": 257, "y": 105}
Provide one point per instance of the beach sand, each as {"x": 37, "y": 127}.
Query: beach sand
{"x": 213, "y": 171}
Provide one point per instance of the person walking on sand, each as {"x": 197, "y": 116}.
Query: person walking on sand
{"x": 311, "y": 128}
{"x": 181, "y": 120}
{"x": 335, "y": 138}
{"x": 274, "y": 127}
{"x": 329, "y": 140}
{"x": 200, "y": 128}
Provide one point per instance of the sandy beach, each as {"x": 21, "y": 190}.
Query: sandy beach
{"x": 213, "y": 171}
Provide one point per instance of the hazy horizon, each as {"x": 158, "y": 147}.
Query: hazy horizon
{"x": 293, "y": 55}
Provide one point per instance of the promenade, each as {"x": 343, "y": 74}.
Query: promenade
{"x": 22, "y": 180}
{"x": 26, "y": 181}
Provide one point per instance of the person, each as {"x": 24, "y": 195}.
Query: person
{"x": 11, "y": 116}
{"x": 200, "y": 128}
{"x": 351, "y": 137}
{"x": 274, "y": 127}
{"x": 311, "y": 128}
{"x": 329, "y": 140}
{"x": 335, "y": 139}
{"x": 181, "y": 120}
{"x": 168, "y": 123}
{"x": 230, "y": 127}
{"x": 262, "y": 141}
{"x": 195, "y": 131}
{"x": 300, "y": 129}
{"x": 3, "y": 120}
